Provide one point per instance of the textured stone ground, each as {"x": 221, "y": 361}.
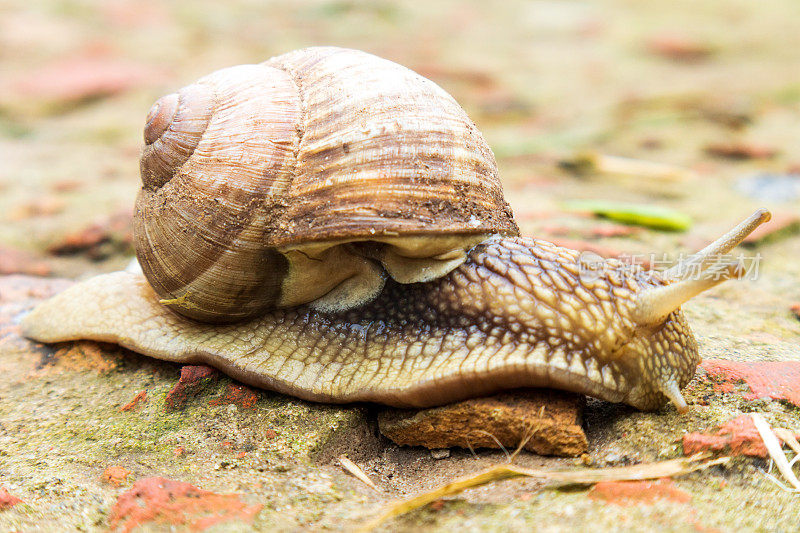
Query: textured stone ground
{"x": 89, "y": 431}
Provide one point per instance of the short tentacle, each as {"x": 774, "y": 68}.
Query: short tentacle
{"x": 671, "y": 390}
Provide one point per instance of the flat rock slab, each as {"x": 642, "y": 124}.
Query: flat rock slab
{"x": 553, "y": 418}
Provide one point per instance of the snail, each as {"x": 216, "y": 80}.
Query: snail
{"x": 331, "y": 225}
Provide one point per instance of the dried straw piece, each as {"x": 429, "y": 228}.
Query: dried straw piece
{"x": 787, "y": 436}
{"x": 356, "y": 471}
{"x": 501, "y": 472}
{"x": 774, "y": 448}
{"x": 591, "y": 161}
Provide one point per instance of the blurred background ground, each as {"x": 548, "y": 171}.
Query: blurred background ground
{"x": 710, "y": 88}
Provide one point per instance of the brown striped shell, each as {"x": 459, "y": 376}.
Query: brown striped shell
{"x": 303, "y": 179}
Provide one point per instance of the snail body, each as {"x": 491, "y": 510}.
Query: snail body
{"x": 502, "y": 319}
{"x": 346, "y": 218}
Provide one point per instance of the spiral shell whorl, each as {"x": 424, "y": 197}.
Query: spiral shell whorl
{"x": 160, "y": 117}
{"x": 174, "y": 128}
{"x": 209, "y": 193}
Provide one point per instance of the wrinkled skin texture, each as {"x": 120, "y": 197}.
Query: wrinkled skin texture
{"x": 516, "y": 313}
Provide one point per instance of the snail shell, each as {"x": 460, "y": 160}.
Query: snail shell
{"x": 284, "y": 183}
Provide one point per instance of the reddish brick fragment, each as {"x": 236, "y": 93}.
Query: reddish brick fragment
{"x": 779, "y": 380}
{"x": 7, "y": 501}
{"x": 166, "y": 502}
{"x": 139, "y": 398}
{"x": 437, "y": 505}
{"x": 740, "y": 150}
{"x": 192, "y": 381}
{"x": 42, "y": 206}
{"x": 679, "y": 48}
{"x": 736, "y": 437}
{"x": 75, "y": 78}
{"x": 115, "y": 475}
{"x": 100, "y": 239}
{"x": 638, "y": 492}
{"x": 237, "y": 394}
{"x": 13, "y": 261}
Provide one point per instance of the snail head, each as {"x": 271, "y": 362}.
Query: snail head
{"x": 605, "y": 327}
{"x": 664, "y": 342}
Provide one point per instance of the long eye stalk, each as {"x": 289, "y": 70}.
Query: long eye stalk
{"x": 721, "y": 246}
{"x": 655, "y": 304}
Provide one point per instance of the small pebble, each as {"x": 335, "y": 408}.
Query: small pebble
{"x": 440, "y": 453}
{"x": 770, "y": 187}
